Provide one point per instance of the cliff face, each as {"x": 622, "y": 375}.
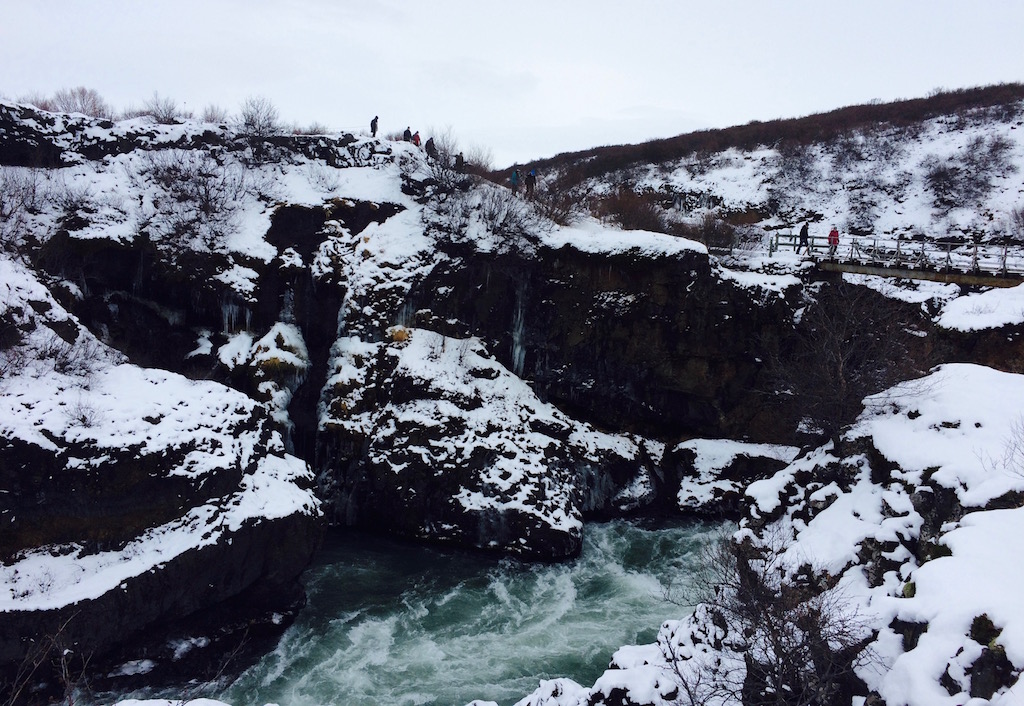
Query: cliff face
{"x": 663, "y": 345}
{"x": 131, "y": 496}
{"x": 313, "y": 280}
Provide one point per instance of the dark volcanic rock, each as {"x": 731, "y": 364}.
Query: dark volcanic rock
{"x": 628, "y": 341}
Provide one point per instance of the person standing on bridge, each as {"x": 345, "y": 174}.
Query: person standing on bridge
{"x": 803, "y": 241}
{"x": 833, "y": 243}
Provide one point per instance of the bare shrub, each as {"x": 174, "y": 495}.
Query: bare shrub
{"x": 631, "y": 211}
{"x": 564, "y": 206}
{"x": 450, "y": 214}
{"x": 510, "y": 217}
{"x": 447, "y": 176}
{"x": 259, "y": 117}
{"x": 52, "y": 656}
{"x": 964, "y": 180}
{"x": 1016, "y": 224}
{"x": 787, "y": 634}
{"x": 479, "y": 160}
{"x": 325, "y": 179}
{"x": 22, "y": 192}
{"x": 711, "y": 230}
{"x": 196, "y": 196}
{"x": 259, "y": 121}
{"x": 75, "y": 200}
{"x": 313, "y": 128}
{"x": 164, "y": 110}
{"x": 132, "y": 111}
{"x": 214, "y": 114}
{"x": 82, "y": 100}
{"x": 77, "y": 358}
{"x": 13, "y": 358}
{"x": 82, "y": 413}
{"x": 40, "y": 101}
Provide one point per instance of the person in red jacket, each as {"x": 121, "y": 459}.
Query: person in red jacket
{"x": 833, "y": 243}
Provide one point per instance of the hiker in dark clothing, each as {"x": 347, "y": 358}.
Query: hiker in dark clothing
{"x": 373, "y": 127}
{"x": 803, "y": 241}
{"x": 460, "y": 162}
{"x": 531, "y": 182}
{"x": 407, "y": 135}
{"x": 430, "y": 148}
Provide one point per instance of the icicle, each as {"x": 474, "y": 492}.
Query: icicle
{"x": 230, "y": 314}
{"x": 288, "y": 306}
{"x": 518, "y": 327}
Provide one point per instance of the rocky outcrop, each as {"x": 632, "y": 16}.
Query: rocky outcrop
{"x": 628, "y": 340}
{"x": 131, "y": 497}
{"x": 429, "y": 436}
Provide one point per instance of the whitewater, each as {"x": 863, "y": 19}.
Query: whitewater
{"x": 391, "y": 622}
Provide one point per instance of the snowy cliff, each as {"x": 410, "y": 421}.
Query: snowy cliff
{"x": 212, "y": 340}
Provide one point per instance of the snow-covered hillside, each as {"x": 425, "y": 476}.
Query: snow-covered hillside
{"x": 948, "y": 177}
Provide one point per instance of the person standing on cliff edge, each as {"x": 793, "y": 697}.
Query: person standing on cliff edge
{"x": 373, "y": 127}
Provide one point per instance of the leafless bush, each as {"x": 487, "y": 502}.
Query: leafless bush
{"x": 78, "y": 358}
{"x": 82, "y": 413}
{"x": 564, "y": 206}
{"x": 1015, "y": 224}
{"x": 22, "y": 192}
{"x": 479, "y": 160}
{"x": 508, "y": 216}
{"x": 631, "y": 211}
{"x": 450, "y": 214}
{"x": 447, "y": 176}
{"x": 76, "y": 201}
{"x": 133, "y": 111}
{"x": 164, "y": 110}
{"x": 313, "y": 128}
{"x": 40, "y": 101}
{"x": 214, "y": 114}
{"x": 967, "y": 178}
{"x": 259, "y": 121}
{"x": 13, "y": 358}
{"x": 82, "y": 100}
{"x": 196, "y": 196}
{"x": 716, "y": 233}
{"x": 51, "y": 656}
{"x": 788, "y": 635}
{"x": 325, "y": 179}
{"x": 259, "y": 117}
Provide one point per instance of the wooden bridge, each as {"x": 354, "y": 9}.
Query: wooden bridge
{"x": 956, "y": 262}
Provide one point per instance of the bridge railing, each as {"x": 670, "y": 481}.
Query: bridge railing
{"x": 897, "y": 253}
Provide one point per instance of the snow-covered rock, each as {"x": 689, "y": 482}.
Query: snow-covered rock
{"x": 128, "y": 495}
{"x": 915, "y": 525}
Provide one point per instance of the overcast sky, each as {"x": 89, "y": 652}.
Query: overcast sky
{"x": 522, "y": 78}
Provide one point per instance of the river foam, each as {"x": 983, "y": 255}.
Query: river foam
{"x": 391, "y": 623}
